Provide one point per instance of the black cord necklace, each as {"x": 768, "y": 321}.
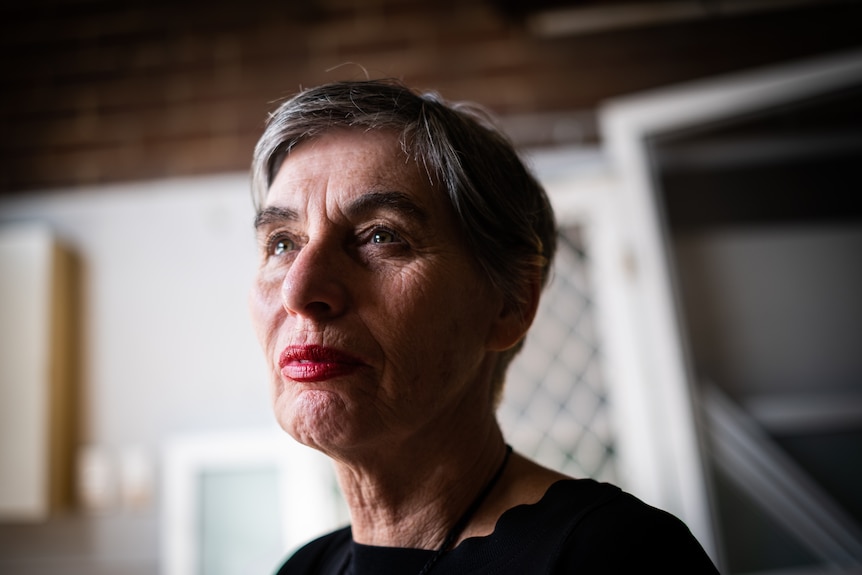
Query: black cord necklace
{"x": 465, "y": 518}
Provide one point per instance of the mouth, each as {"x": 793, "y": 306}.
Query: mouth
{"x": 313, "y": 363}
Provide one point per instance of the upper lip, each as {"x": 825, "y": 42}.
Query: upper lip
{"x": 315, "y": 354}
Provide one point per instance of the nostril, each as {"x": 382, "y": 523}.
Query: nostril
{"x": 318, "y": 308}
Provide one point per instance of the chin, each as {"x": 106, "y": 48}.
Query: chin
{"x": 314, "y": 418}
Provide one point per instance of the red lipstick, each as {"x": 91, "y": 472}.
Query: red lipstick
{"x": 311, "y": 363}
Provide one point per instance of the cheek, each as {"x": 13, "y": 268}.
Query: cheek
{"x": 264, "y": 306}
{"x": 431, "y": 326}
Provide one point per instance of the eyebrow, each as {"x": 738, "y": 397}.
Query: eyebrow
{"x": 274, "y": 214}
{"x": 364, "y": 204}
{"x": 386, "y": 200}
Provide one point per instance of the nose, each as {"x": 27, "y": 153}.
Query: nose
{"x": 314, "y": 286}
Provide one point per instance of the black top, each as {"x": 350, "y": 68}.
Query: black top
{"x": 579, "y": 526}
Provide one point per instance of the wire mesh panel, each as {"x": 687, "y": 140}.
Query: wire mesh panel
{"x": 554, "y": 407}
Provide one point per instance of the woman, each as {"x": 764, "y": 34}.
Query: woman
{"x": 403, "y": 250}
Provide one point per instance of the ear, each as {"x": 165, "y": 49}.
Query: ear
{"x": 514, "y": 320}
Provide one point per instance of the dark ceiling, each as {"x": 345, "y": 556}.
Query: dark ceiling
{"x": 95, "y": 91}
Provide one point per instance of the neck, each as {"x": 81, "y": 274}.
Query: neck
{"x": 411, "y": 495}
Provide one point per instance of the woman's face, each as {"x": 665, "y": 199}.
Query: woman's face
{"x": 374, "y": 318}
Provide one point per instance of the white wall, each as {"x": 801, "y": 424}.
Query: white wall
{"x": 167, "y": 344}
{"x": 775, "y": 310}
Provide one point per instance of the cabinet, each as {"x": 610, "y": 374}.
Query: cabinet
{"x": 37, "y": 372}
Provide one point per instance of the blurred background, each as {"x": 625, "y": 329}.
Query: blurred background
{"x": 700, "y": 345}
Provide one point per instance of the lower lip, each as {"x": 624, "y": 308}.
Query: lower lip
{"x": 314, "y": 371}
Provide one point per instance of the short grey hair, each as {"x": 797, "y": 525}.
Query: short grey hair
{"x": 502, "y": 209}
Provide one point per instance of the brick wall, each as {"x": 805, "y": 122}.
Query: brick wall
{"x": 101, "y": 90}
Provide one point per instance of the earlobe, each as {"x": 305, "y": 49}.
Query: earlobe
{"x": 514, "y": 319}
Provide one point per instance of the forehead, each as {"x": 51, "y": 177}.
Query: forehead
{"x": 344, "y": 162}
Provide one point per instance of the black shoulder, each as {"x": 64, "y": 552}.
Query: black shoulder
{"x": 622, "y": 534}
{"x": 322, "y": 556}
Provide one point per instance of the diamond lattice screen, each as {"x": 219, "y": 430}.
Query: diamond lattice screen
{"x": 555, "y": 407}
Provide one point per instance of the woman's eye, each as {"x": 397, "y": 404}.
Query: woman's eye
{"x": 280, "y": 245}
{"x": 383, "y": 237}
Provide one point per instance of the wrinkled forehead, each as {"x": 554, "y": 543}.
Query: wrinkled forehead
{"x": 302, "y": 139}
{"x": 341, "y": 164}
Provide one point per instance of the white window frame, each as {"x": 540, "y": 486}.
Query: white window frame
{"x": 659, "y": 449}
{"x": 307, "y": 503}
